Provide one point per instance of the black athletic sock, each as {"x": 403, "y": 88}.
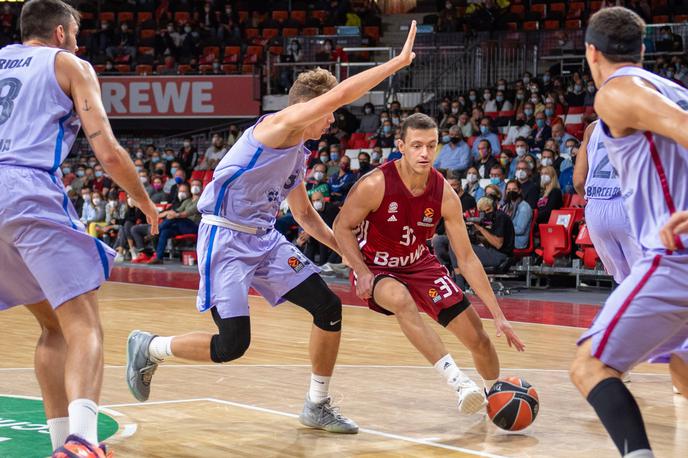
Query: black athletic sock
{"x": 620, "y": 415}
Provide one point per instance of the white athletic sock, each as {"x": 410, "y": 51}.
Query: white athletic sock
{"x": 160, "y": 348}
{"x": 59, "y": 430}
{"x": 320, "y": 387}
{"x": 488, "y": 384}
{"x": 83, "y": 419}
{"x": 450, "y": 371}
{"x": 134, "y": 253}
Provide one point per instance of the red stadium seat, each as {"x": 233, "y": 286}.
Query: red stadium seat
{"x": 247, "y": 68}
{"x": 310, "y": 31}
{"x": 125, "y": 16}
{"x": 181, "y": 17}
{"x": 144, "y": 69}
{"x": 359, "y": 140}
{"x": 523, "y": 252}
{"x": 204, "y": 69}
{"x": 491, "y": 114}
{"x": 595, "y": 6}
{"x": 107, "y": 16}
{"x": 531, "y": 26}
{"x": 661, "y": 19}
{"x": 252, "y": 33}
{"x": 329, "y": 31}
{"x": 229, "y": 68}
{"x": 680, "y": 17}
{"x": 280, "y": 15}
{"x": 270, "y": 33}
{"x": 587, "y": 251}
{"x": 320, "y": 14}
{"x": 123, "y": 68}
{"x": 208, "y": 176}
{"x": 144, "y": 16}
{"x": 512, "y": 26}
{"x": 575, "y": 10}
{"x": 566, "y": 199}
{"x": 518, "y": 11}
{"x": 577, "y": 201}
{"x": 538, "y": 10}
{"x": 557, "y": 10}
{"x": 555, "y": 236}
{"x": 551, "y": 24}
{"x": 99, "y": 68}
{"x": 290, "y": 32}
{"x": 276, "y": 50}
{"x": 573, "y": 24}
{"x": 299, "y": 16}
{"x": 372, "y": 32}
{"x": 254, "y": 50}
{"x": 184, "y": 69}
{"x": 243, "y": 16}
{"x": 197, "y": 175}
{"x": 210, "y": 53}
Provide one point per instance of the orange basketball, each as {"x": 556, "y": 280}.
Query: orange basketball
{"x": 512, "y": 404}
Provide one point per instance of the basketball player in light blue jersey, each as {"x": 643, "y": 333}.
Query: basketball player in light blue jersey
{"x": 643, "y": 121}
{"x": 49, "y": 263}
{"x": 239, "y": 248}
{"x": 605, "y": 215}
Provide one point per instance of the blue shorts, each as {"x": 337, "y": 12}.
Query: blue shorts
{"x": 45, "y": 252}
{"x": 231, "y": 262}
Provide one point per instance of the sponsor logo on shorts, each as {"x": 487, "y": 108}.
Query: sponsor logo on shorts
{"x": 434, "y": 295}
{"x": 393, "y": 207}
{"x": 295, "y": 264}
{"x": 428, "y": 214}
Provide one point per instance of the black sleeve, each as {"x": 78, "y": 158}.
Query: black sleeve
{"x": 532, "y": 197}
{"x": 554, "y": 202}
{"x": 499, "y": 226}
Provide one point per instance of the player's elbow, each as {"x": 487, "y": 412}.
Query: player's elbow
{"x": 579, "y": 185}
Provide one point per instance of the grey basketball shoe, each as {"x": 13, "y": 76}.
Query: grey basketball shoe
{"x": 140, "y": 368}
{"x": 323, "y": 415}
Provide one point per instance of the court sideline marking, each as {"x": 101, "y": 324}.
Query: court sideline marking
{"x": 374, "y": 432}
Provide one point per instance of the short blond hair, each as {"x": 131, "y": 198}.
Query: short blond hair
{"x": 311, "y": 84}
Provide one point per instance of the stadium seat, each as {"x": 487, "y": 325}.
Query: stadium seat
{"x": 680, "y": 18}
{"x": 566, "y": 199}
{"x": 512, "y": 26}
{"x": 299, "y": 16}
{"x": 573, "y": 24}
{"x": 243, "y": 16}
{"x": 280, "y": 15}
{"x": 290, "y": 32}
{"x": 577, "y": 201}
{"x": 491, "y": 114}
{"x": 537, "y": 12}
{"x": 310, "y": 31}
{"x": 210, "y": 53}
{"x": 252, "y": 32}
{"x": 181, "y": 17}
{"x": 531, "y": 26}
{"x": 123, "y": 68}
{"x": 372, "y": 32}
{"x": 144, "y": 69}
{"x": 586, "y": 250}
{"x": 125, "y": 16}
{"x": 660, "y": 19}
{"x": 147, "y": 37}
{"x": 576, "y": 10}
{"x": 518, "y": 11}
{"x": 250, "y": 59}
{"x": 204, "y": 69}
{"x": 197, "y": 175}
{"x": 552, "y": 24}
{"x": 107, "y": 16}
{"x": 555, "y": 236}
{"x": 99, "y": 68}
{"x": 254, "y": 50}
{"x": 557, "y": 10}
{"x": 523, "y": 252}
{"x": 320, "y": 14}
{"x": 181, "y": 242}
{"x": 595, "y": 6}
{"x": 269, "y": 33}
{"x": 184, "y": 69}
{"x": 247, "y": 68}
{"x": 359, "y": 140}
{"x": 144, "y": 17}
{"x": 276, "y": 50}
{"x": 329, "y": 31}
{"x": 229, "y": 68}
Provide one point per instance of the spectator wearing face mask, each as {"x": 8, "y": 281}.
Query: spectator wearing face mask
{"x": 522, "y": 150}
{"x": 318, "y": 181}
{"x": 376, "y": 156}
{"x": 335, "y": 156}
{"x": 465, "y": 125}
{"x": 214, "y": 154}
{"x": 485, "y": 159}
{"x": 550, "y": 111}
{"x": 668, "y": 41}
{"x": 529, "y": 113}
{"x": 101, "y": 184}
{"x": 370, "y": 122}
{"x": 385, "y": 137}
{"x": 178, "y": 179}
{"x": 68, "y": 176}
{"x": 541, "y": 132}
{"x": 143, "y": 177}
{"x": 80, "y": 181}
{"x": 489, "y": 103}
{"x": 521, "y": 99}
{"x": 363, "y": 164}
{"x": 159, "y": 195}
{"x": 318, "y": 252}
{"x": 184, "y": 219}
{"x": 519, "y": 129}
{"x": 477, "y": 115}
{"x": 575, "y": 97}
{"x": 505, "y": 159}
{"x": 188, "y": 156}
{"x": 455, "y": 156}
{"x": 529, "y": 189}
{"x": 124, "y": 43}
{"x": 520, "y": 213}
{"x": 590, "y": 92}
{"x": 551, "y": 197}
{"x": 486, "y": 134}
{"x": 114, "y": 217}
{"x": 124, "y": 244}
{"x": 341, "y": 182}
{"x": 497, "y": 178}
{"x": 472, "y": 187}
{"x": 93, "y": 211}
{"x": 501, "y": 102}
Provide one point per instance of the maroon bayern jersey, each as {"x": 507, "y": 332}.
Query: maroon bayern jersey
{"x": 394, "y": 236}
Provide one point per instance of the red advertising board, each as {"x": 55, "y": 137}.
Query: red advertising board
{"x": 216, "y": 96}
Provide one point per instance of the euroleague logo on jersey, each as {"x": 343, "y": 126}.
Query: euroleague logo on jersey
{"x": 434, "y": 295}
{"x": 428, "y": 214}
{"x": 295, "y": 264}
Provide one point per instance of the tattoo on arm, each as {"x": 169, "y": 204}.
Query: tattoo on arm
{"x": 94, "y": 134}
{"x": 86, "y": 107}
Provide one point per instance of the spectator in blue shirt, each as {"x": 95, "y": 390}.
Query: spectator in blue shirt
{"x": 455, "y": 156}
{"x": 342, "y": 181}
{"x": 560, "y": 135}
{"x": 497, "y": 177}
{"x": 486, "y": 134}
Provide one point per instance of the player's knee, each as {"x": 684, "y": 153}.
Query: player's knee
{"x": 582, "y": 369}
{"x": 327, "y": 315}
{"x": 480, "y": 343}
{"x": 232, "y": 341}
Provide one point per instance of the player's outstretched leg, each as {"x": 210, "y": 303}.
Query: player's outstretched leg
{"x": 679, "y": 374}
{"x": 146, "y": 351}
{"x": 468, "y": 328}
{"x": 395, "y": 297}
{"x": 314, "y": 295}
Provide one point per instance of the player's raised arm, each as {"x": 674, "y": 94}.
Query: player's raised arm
{"x": 580, "y": 170}
{"x": 470, "y": 265}
{"x": 646, "y": 110}
{"x": 275, "y": 130}
{"x": 364, "y": 198}
{"x": 82, "y": 85}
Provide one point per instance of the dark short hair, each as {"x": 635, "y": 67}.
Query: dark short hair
{"x": 40, "y": 17}
{"x": 516, "y": 182}
{"x": 363, "y": 153}
{"x": 521, "y": 139}
{"x": 619, "y": 28}
{"x": 417, "y": 121}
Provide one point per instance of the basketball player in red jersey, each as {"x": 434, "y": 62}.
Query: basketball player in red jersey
{"x": 394, "y": 210}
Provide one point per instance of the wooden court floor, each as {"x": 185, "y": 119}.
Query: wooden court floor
{"x": 249, "y": 408}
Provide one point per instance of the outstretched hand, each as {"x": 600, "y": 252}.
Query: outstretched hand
{"x": 407, "y": 55}
{"x": 504, "y": 327}
{"x": 678, "y": 224}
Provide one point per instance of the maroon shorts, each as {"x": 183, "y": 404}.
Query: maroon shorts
{"x": 430, "y": 285}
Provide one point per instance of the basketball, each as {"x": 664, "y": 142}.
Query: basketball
{"x": 512, "y": 404}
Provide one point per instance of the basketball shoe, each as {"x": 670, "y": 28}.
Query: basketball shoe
{"x": 471, "y": 397}
{"x": 322, "y": 415}
{"x": 76, "y": 447}
{"x": 140, "y": 367}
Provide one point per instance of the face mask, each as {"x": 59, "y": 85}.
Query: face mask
{"x": 178, "y": 180}
{"x": 549, "y": 112}
{"x": 484, "y": 130}
{"x": 577, "y": 88}
{"x": 540, "y": 123}
{"x": 80, "y": 173}
{"x": 448, "y": 5}
{"x": 375, "y": 156}
{"x": 495, "y": 180}
{"x": 386, "y": 129}
{"x": 66, "y": 170}
{"x": 155, "y": 159}
{"x": 487, "y": 96}
{"x": 182, "y": 196}
{"x": 520, "y": 150}
{"x": 96, "y": 201}
{"x": 534, "y": 89}
{"x": 472, "y": 97}
{"x": 187, "y": 29}
{"x": 187, "y": 144}
{"x": 472, "y": 178}
{"x": 318, "y": 176}
{"x": 501, "y": 87}
{"x": 364, "y": 164}
{"x": 591, "y": 89}
{"x": 334, "y": 156}
{"x": 546, "y": 161}
{"x": 500, "y": 98}
{"x": 520, "y": 96}
{"x": 157, "y": 186}
{"x": 195, "y": 190}
{"x": 455, "y": 110}
{"x": 139, "y": 155}
{"x": 512, "y": 195}
{"x": 526, "y": 79}
{"x": 99, "y": 174}
{"x": 546, "y": 78}
{"x": 318, "y": 205}
{"x": 545, "y": 180}
{"x": 86, "y": 197}
{"x": 92, "y": 164}
{"x": 173, "y": 170}
{"x": 534, "y": 100}
{"x": 455, "y": 140}
{"x": 395, "y": 121}
{"x": 368, "y": 110}
{"x": 159, "y": 172}
{"x": 324, "y": 159}
{"x": 528, "y": 112}
{"x": 521, "y": 174}
{"x": 670, "y": 75}
{"x": 446, "y": 138}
